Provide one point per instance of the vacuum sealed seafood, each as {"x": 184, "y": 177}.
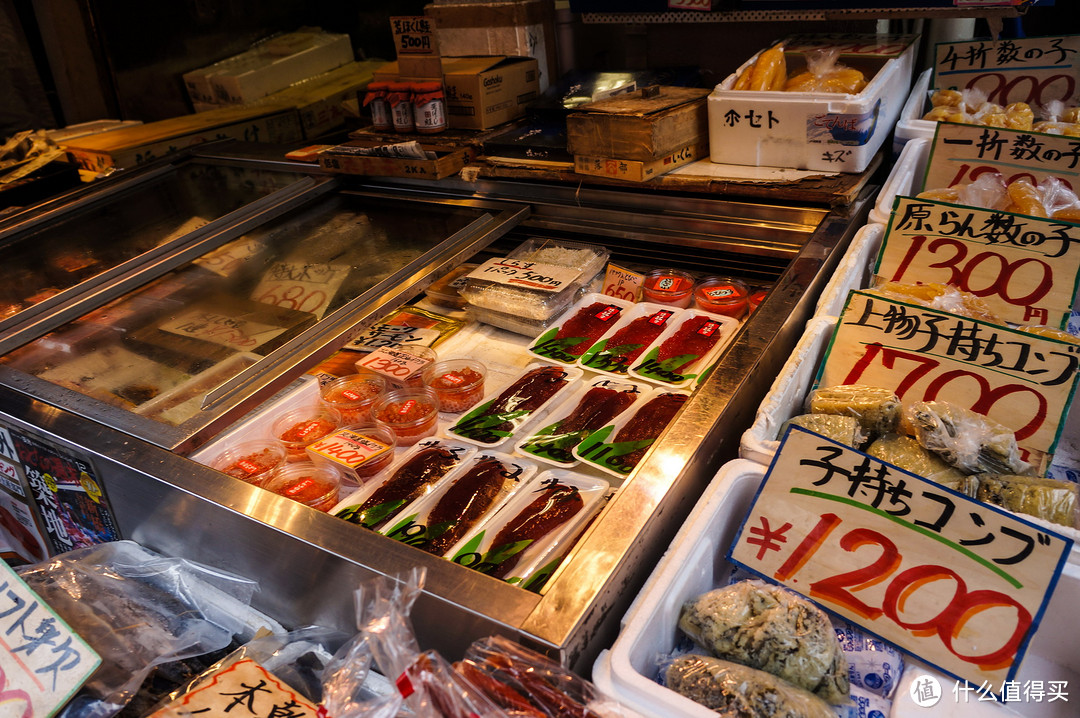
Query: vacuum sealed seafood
{"x": 618, "y": 448}
{"x": 586, "y": 322}
{"x": 685, "y": 350}
{"x": 635, "y": 332}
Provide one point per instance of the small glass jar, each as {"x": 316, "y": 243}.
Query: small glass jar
{"x": 351, "y": 396}
{"x": 251, "y": 461}
{"x": 297, "y": 428}
{"x": 356, "y": 452}
{"x": 672, "y": 287}
{"x": 410, "y": 413}
{"x": 307, "y": 483}
{"x": 377, "y": 104}
{"x": 401, "y": 110}
{"x": 723, "y": 295}
{"x": 429, "y": 107}
{"x": 402, "y": 365}
{"x": 459, "y": 383}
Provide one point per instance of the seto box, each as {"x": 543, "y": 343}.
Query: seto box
{"x": 643, "y": 127}
{"x": 815, "y": 130}
{"x": 482, "y": 91}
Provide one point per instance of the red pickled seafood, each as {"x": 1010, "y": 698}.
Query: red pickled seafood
{"x": 695, "y": 337}
{"x": 554, "y": 506}
{"x": 587, "y": 326}
{"x": 458, "y": 389}
{"x": 500, "y": 693}
{"x": 520, "y": 399}
{"x": 465, "y": 502}
{"x": 596, "y": 409}
{"x": 648, "y": 422}
{"x": 635, "y": 336}
{"x": 310, "y": 490}
{"x": 253, "y": 466}
{"x": 410, "y": 480}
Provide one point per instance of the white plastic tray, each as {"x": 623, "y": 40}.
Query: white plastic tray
{"x": 855, "y": 271}
{"x": 695, "y": 563}
{"x": 905, "y": 179}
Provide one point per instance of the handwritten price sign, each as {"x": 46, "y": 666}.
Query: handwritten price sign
{"x": 394, "y": 364}
{"x": 302, "y": 287}
{"x": 244, "y": 683}
{"x": 1020, "y": 380}
{"x": 519, "y": 273}
{"x": 228, "y": 259}
{"x": 959, "y": 583}
{"x": 623, "y": 283}
{"x": 228, "y": 331}
{"x": 962, "y": 153}
{"x": 1025, "y": 269}
{"x": 1032, "y": 70}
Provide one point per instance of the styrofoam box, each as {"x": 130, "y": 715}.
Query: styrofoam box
{"x": 797, "y": 115}
{"x": 855, "y": 271}
{"x": 911, "y": 125}
{"x": 695, "y": 564}
{"x": 905, "y": 179}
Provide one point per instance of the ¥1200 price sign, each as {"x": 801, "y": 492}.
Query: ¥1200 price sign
{"x": 958, "y": 583}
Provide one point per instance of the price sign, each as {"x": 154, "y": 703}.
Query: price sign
{"x": 959, "y": 583}
{"x": 1020, "y": 380}
{"x": 42, "y": 661}
{"x": 962, "y": 153}
{"x": 349, "y": 448}
{"x": 301, "y": 287}
{"x": 228, "y": 331}
{"x": 414, "y": 35}
{"x": 394, "y": 364}
{"x": 1025, "y": 268}
{"x": 623, "y": 283}
{"x": 1032, "y": 70}
{"x": 229, "y": 258}
{"x": 245, "y": 685}
{"x": 520, "y": 273}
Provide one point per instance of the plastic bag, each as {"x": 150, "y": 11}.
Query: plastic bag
{"x": 824, "y": 74}
{"x": 170, "y": 609}
{"x": 877, "y": 409}
{"x": 1048, "y": 499}
{"x": 942, "y": 297}
{"x": 971, "y": 442}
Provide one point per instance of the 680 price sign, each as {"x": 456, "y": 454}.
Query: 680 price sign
{"x": 957, "y": 582}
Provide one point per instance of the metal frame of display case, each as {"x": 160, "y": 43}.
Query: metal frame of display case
{"x": 308, "y": 563}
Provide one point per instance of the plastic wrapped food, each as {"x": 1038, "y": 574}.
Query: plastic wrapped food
{"x": 909, "y": 454}
{"x": 772, "y": 629}
{"x": 575, "y": 335}
{"x": 737, "y": 691}
{"x": 595, "y": 410}
{"x": 971, "y": 442}
{"x": 622, "y": 348}
{"x": 1047, "y": 499}
{"x": 873, "y": 664}
{"x": 408, "y": 325}
{"x": 468, "y": 499}
{"x": 942, "y": 297}
{"x": 877, "y": 409}
{"x": 648, "y": 422}
{"x": 553, "y": 506}
{"x": 824, "y": 74}
{"x": 845, "y": 429}
{"x": 447, "y": 289}
{"x": 1050, "y": 333}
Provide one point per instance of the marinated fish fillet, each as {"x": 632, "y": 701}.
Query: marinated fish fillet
{"x": 772, "y": 629}
{"x": 648, "y": 423}
{"x": 464, "y": 503}
{"x": 553, "y": 507}
{"x": 408, "y": 482}
{"x": 596, "y": 409}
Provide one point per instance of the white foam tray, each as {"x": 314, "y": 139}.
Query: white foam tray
{"x": 905, "y": 179}
{"x": 911, "y": 125}
{"x": 695, "y": 563}
{"x": 855, "y": 271}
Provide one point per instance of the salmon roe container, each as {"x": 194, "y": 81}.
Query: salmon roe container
{"x": 459, "y": 383}
{"x": 756, "y": 298}
{"x": 723, "y": 295}
{"x": 411, "y": 414}
{"x": 351, "y": 396}
{"x": 357, "y": 452}
{"x": 307, "y": 483}
{"x": 251, "y": 461}
{"x": 672, "y": 287}
{"x": 297, "y": 428}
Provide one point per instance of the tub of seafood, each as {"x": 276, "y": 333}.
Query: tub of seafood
{"x": 855, "y": 271}
{"x": 905, "y": 179}
{"x": 656, "y": 668}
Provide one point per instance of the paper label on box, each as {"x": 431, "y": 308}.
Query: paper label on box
{"x": 42, "y": 660}
{"x": 394, "y": 364}
{"x": 960, "y": 154}
{"x": 300, "y": 286}
{"x": 1020, "y": 380}
{"x": 522, "y": 273}
{"x": 623, "y": 283}
{"x": 957, "y": 582}
{"x": 244, "y": 684}
{"x": 348, "y": 448}
{"x": 228, "y": 331}
{"x": 838, "y": 129}
{"x": 1025, "y": 269}
{"x": 1033, "y": 70}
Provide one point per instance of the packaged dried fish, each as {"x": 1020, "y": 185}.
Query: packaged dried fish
{"x": 908, "y": 454}
{"x": 969, "y": 441}
{"x": 772, "y": 629}
{"x": 737, "y": 691}
{"x": 1047, "y": 499}
{"x": 877, "y": 409}
{"x": 845, "y": 429}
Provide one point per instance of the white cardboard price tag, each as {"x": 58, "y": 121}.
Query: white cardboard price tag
{"x": 244, "y": 685}
{"x": 522, "y": 273}
{"x": 1034, "y": 70}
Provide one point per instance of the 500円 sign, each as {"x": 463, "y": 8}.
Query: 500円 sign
{"x": 960, "y": 584}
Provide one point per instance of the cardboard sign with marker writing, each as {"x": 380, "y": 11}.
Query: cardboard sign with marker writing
{"x": 958, "y": 583}
{"x": 1034, "y": 70}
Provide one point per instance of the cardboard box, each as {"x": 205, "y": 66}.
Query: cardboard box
{"x": 482, "y": 92}
{"x": 814, "y": 131}
{"x": 127, "y": 147}
{"x": 634, "y": 127}
{"x": 523, "y": 28}
{"x": 321, "y": 101}
{"x": 639, "y": 170}
{"x": 439, "y": 165}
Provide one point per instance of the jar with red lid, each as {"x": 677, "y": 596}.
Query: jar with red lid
{"x": 459, "y": 383}
{"x": 399, "y": 96}
{"x": 251, "y": 461}
{"x": 673, "y": 287}
{"x": 723, "y": 295}
{"x": 378, "y": 105}
{"x": 307, "y": 483}
{"x": 297, "y": 428}
{"x": 411, "y": 414}
{"x": 351, "y": 396}
{"x": 429, "y": 107}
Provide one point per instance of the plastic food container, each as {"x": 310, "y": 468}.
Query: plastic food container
{"x": 756, "y": 298}
{"x": 402, "y": 365}
{"x": 447, "y": 289}
{"x": 357, "y": 452}
{"x": 297, "y": 428}
{"x": 251, "y": 461}
{"x": 723, "y": 295}
{"x": 672, "y": 287}
{"x": 307, "y": 483}
{"x": 352, "y": 396}
{"x": 411, "y": 414}
{"x": 459, "y": 383}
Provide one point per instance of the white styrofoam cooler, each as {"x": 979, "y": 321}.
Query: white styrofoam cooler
{"x": 911, "y": 125}
{"x": 804, "y": 127}
{"x": 695, "y": 564}
{"x": 905, "y": 179}
{"x": 855, "y": 270}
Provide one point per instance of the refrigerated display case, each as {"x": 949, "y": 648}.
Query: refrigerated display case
{"x": 126, "y": 378}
